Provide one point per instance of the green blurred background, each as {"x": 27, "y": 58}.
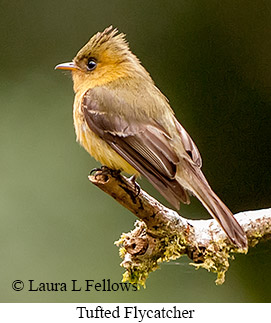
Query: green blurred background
{"x": 212, "y": 59}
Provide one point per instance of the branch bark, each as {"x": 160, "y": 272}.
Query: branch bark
{"x": 162, "y": 234}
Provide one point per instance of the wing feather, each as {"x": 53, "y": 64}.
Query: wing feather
{"x": 189, "y": 144}
{"x": 146, "y": 146}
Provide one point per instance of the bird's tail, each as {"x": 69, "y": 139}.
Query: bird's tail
{"x": 192, "y": 178}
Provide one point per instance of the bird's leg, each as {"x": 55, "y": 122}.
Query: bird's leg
{"x": 132, "y": 180}
{"x": 109, "y": 171}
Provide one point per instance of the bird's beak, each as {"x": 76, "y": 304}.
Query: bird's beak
{"x": 66, "y": 66}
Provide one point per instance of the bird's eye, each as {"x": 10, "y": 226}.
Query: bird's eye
{"x": 91, "y": 65}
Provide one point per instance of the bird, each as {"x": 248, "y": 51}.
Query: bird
{"x": 125, "y": 122}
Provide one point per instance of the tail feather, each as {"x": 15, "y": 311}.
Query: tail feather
{"x": 171, "y": 189}
{"x": 224, "y": 217}
{"x": 193, "y": 179}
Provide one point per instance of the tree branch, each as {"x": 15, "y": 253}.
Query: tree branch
{"x": 163, "y": 235}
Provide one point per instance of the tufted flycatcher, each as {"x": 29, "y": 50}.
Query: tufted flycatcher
{"x": 123, "y": 120}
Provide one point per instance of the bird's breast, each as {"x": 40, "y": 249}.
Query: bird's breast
{"x": 94, "y": 145}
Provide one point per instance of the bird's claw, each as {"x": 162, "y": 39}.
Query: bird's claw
{"x": 137, "y": 188}
{"x": 94, "y": 170}
{"x": 104, "y": 170}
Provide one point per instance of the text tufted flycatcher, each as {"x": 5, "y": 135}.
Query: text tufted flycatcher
{"x": 124, "y": 121}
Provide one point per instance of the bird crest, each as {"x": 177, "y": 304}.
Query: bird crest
{"x": 109, "y": 39}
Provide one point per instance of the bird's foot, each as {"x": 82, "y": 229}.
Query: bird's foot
{"x": 104, "y": 171}
{"x": 132, "y": 180}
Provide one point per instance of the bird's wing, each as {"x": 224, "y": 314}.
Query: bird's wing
{"x": 144, "y": 145}
{"x": 189, "y": 145}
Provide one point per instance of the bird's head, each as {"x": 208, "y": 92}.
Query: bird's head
{"x": 105, "y": 58}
